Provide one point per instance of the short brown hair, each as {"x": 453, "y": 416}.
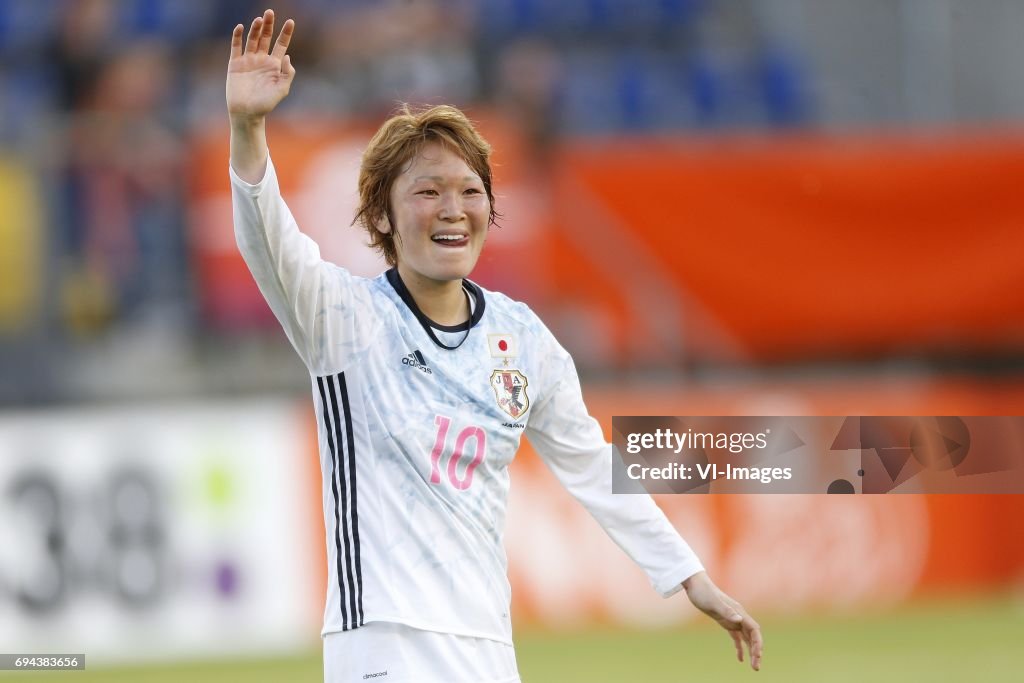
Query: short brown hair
{"x": 395, "y": 144}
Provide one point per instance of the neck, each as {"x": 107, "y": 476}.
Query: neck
{"x": 444, "y": 302}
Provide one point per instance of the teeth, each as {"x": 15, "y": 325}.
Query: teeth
{"x": 447, "y": 238}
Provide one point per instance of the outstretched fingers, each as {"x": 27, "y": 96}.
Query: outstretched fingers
{"x": 744, "y": 631}
{"x": 283, "y": 39}
{"x": 737, "y": 641}
{"x": 730, "y": 615}
{"x": 236, "y": 41}
{"x": 253, "y": 39}
{"x": 755, "y": 644}
{"x": 267, "y": 33}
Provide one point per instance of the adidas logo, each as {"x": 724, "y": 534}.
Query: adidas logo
{"x": 416, "y": 360}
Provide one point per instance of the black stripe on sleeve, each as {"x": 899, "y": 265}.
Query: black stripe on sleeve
{"x": 328, "y": 409}
{"x": 347, "y": 484}
{"x": 357, "y": 604}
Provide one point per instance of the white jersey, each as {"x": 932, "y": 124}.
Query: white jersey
{"x": 417, "y": 426}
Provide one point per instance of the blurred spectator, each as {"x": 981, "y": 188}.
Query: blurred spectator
{"x": 529, "y": 89}
{"x": 123, "y": 239}
{"x": 374, "y": 56}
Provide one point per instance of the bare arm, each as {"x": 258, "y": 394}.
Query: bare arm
{"x": 258, "y": 79}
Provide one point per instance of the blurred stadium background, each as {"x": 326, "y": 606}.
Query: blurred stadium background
{"x": 777, "y": 207}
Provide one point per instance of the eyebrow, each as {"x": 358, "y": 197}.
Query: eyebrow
{"x": 439, "y": 179}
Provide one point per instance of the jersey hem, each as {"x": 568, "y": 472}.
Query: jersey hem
{"x": 423, "y": 627}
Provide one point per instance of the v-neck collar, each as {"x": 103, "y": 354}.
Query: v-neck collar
{"x": 429, "y": 325}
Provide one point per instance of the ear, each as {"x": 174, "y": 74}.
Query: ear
{"x": 384, "y": 225}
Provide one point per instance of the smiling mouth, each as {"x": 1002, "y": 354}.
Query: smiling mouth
{"x": 451, "y": 240}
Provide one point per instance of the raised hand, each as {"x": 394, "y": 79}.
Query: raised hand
{"x": 258, "y": 77}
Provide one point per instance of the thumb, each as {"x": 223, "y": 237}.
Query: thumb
{"x": 286, "y": 66}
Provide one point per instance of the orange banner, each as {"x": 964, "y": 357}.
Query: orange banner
{"x": 801, "y": 247}
{"x": 657, "y": 251}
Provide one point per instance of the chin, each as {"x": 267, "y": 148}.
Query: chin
{"x": 449, "y": 274}
{"x": 454, "y": 271}
{"x": 454, "y": 267}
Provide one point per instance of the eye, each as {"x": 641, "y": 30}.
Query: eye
{"x": 429, "y": 193}
{"x": 473, "y": 190}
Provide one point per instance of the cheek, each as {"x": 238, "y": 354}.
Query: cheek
{"x": 409, "y": 216}
{"x": 423, "y": 206}
{"x": 479, "y": 208}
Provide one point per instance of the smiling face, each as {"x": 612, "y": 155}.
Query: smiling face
{"x": 440, "y": 213}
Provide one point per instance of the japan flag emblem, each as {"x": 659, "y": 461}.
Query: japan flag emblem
{"x": 502, "y": 345}
{"x": 510, "y": 392}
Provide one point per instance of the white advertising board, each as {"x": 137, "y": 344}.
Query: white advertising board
{"x": 157, "y": 532}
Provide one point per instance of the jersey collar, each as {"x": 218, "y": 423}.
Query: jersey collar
{"x": 429, "y": 325}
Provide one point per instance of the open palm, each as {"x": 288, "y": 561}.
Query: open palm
{"x": 258, "y": 77}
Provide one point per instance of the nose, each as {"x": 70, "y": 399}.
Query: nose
{"x": 451, "y": 208}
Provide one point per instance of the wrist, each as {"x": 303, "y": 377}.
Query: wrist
{"x": 247, "y": 123}
{"x": 698, "y": 578}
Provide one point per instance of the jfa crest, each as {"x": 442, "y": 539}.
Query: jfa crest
{"x": 510, "y": 391}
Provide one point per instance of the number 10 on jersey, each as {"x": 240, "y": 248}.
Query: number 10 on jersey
{"x": 440, "y": 448}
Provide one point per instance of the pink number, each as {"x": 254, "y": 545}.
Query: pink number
{"x": 480, "y": 441}
{"x": 460, "y": 444}
{"x": 442, "y": 423}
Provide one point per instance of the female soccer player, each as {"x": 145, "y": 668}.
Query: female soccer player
{"x": 423, "y": 384}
